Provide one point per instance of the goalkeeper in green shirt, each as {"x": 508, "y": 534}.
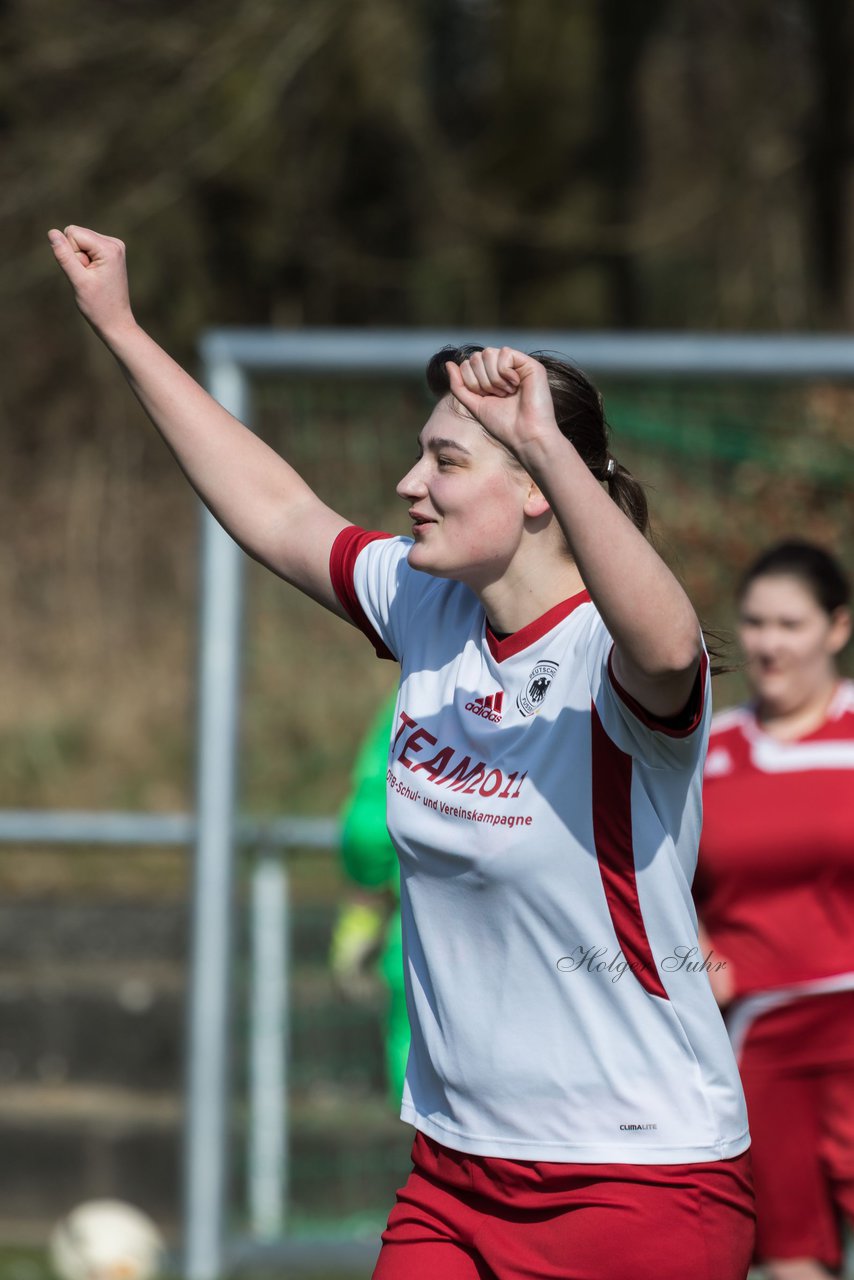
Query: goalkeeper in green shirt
{"x": 369, "y": 925}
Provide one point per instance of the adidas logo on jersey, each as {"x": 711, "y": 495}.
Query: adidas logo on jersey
{"x": 489, "y": 707}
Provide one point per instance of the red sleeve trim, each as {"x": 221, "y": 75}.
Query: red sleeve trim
{"x": 681, "y": 725}
{"x": 342, "y": 563}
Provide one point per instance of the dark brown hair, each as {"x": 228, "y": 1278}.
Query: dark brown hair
{"x": 817, "y": 569}
{"x": 580, "y": 416}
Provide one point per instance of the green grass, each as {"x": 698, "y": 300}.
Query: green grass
{"x": 18, "y": 1263}
{"x": 32, "y": 1264}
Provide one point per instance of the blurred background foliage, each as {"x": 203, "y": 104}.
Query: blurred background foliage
{"x": 596, "y": 163}
{"x": 468, "y": 163}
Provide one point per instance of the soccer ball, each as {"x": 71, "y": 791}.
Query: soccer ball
{"x": 106, "y": 1240}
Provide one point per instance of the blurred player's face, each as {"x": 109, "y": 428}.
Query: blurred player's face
{"x": 465, "y": 499}
{"x": 789, "y": 642}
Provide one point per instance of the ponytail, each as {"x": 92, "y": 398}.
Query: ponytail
{"x": 628, "y": 493}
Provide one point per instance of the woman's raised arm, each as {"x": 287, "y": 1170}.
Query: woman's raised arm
{"x": 657, "y": 638}
{"x": 262, "y": 502}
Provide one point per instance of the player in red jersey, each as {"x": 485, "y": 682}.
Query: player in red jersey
{"x": 578, "y": 1107}
{"x": 775, "y": 892}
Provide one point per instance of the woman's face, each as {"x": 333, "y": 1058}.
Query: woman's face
{"x": 466, "y": 500}
{"x": 789, "y": 641}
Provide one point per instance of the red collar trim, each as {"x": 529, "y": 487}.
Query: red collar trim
{"x": 532, "y": 631}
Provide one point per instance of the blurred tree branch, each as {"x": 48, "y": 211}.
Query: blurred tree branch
{"x": 423, "y": 161}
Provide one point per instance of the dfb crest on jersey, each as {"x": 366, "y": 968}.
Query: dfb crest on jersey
{"x": 530, "y": 700}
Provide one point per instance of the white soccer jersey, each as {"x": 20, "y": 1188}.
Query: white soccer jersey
{"x": 547, "y": 830}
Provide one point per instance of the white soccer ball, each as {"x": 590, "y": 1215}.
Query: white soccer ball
{"x": 106, "y": 1240}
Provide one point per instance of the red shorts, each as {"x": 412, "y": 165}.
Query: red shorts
{"x": 797, "y": 1067}
{"x": 467, "y": 1217}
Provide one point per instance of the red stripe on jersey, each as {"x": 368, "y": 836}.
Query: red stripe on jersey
{"x": 342, "y": 564}
{"x": 679, "y": 726}
{"x": 612, "y": 835}
{"x": 533, "y": 631}
{"x": 499, "y": 701}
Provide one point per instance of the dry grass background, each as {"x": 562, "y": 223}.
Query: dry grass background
{"x": 98, "y": 593}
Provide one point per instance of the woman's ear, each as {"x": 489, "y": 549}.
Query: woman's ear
{"x": 840, "y": 629}
{"x": 536, "y": 504}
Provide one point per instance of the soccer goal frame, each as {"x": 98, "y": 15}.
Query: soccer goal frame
{"x": 231, "y": 360}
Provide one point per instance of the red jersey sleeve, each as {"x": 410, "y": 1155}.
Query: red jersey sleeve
{"x": 342, "y": 563}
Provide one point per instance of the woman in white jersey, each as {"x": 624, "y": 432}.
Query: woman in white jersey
{"x": 577, "y": 1105}
{"x": 775, "y": 889}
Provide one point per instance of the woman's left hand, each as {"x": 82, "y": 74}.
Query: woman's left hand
{"x": 508, "y": 393}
